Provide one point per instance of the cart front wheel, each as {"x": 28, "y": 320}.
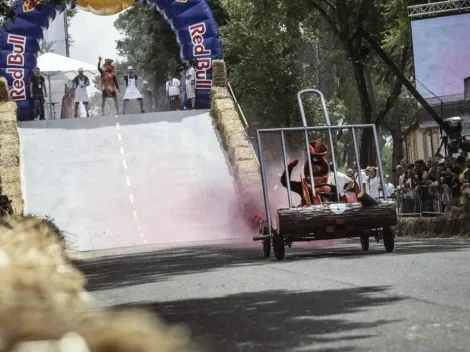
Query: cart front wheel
{"x": 279, "y": 248}
{"x": 267, "y": 247}
{"x": 365, "y": 243}
{"x": 388, "y": 238}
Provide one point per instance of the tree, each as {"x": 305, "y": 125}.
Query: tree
{"x": 47, "y": 47}
{"x": 7, "y": 9}
{"x": 149, "y": 44}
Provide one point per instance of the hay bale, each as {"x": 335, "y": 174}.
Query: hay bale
{"x": 248, "y": 181}
{"x": 222, "y": 105}
{"x": 8, "y": 112}
{"x": 133, "y": 331}
{"x": 230, "y": 123}
{"x": 219, "y": 73}
{"x": 4, "y": 93}
{"x": 9, "y": 160}
{"x": 245, "y": 167}
{"x": 37, "y": 229}
{"x": 10, "y": 174}
{"x": 243, "y": 144}
{"x": 10, "y": 141}
{"x": 8, "y": 127}
{"x": 219, "y": 93}
{"x": 17, "y": 204}
{"x": 240, "y": 154}
{"x": 11, "y": 189}
{"x": 33, "y": 325}
{"x": 236, "y": 140}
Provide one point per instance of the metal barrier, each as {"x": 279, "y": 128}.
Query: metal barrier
{"x": 427, "y": 200}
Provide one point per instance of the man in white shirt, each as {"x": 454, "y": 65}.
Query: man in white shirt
{"x": 389, "y": 188}
{"x": 344, "y": 182}
{"x": 173, "y": 92}
{"x": 190, "y": 83}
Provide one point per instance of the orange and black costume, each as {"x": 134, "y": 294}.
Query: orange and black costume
{"x": 321, "y": 171}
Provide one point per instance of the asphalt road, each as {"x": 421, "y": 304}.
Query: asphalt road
{"x": 317, "y": 299}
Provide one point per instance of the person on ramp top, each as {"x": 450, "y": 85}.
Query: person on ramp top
{"x": 132, "y": 92}
{"x": 109, "y": 83}
{"x": 80, "y": 83}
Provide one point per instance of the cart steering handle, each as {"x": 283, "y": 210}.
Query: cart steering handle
{"x": 323, "y": 105}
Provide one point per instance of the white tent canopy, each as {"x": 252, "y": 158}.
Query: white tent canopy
{"x": 60, "y": 69}
{"x": 50, "y": 63}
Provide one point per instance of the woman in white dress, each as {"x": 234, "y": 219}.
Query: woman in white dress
{"x": 132, "y": 92}
{"x": 80, "y": 83}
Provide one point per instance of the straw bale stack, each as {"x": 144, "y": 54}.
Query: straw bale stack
{"x": 219, "y": 93}
{"x": 235, "y": 141}
{"x": 219, "y": 74}
{"x": 4, "y": 94}
{"x": 10, "y": 175}
{"x": 43, "y": 301}
{"x": 454, "y": 223}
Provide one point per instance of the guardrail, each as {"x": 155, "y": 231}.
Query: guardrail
{"x": 427, "y": 200}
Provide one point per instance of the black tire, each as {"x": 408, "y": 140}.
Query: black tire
{"x": 266, "y": 243}
{"x": 279, "y": 247}
{"x": 365, "y": 243}
{"x": 389, "y": 239}
{"x": 267, "y": 247}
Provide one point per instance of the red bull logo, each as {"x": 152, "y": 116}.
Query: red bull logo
{"x": 202, "y": 54}
{"x": 30, "y": 5}
{"x": 16, "y": 58}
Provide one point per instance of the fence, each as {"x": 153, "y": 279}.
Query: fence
{"x": 427, "y": 200}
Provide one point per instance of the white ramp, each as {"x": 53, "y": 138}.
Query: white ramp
{"x": 129, "y": 180}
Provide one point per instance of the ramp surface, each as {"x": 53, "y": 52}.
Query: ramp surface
{"x": 129, "y": 180}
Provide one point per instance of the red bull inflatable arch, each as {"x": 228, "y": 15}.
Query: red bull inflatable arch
{"x": 192, "y": 21}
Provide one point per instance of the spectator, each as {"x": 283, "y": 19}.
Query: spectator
{"x": 67, "y": 108}
{"x": 344, "y": 182}
{"x": 182, "y": 87}
{"x": 190, "y": 83}
{"x": 373, "y": 183}
{"x": 38, "y": 92}
{"x": 80, "y": 83}
{"x": 389, "y": 188}
{"x": 172, "y": 89}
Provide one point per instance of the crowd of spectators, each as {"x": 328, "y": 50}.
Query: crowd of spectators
{"x": 432, "y": 186}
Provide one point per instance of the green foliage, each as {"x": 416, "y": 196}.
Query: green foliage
{"x": 46, "y": 48}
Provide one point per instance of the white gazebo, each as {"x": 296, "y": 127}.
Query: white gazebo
{"x": 60, "y": 69}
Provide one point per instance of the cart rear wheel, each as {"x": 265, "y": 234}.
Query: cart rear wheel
{"x": 365, "y": 243}
{"x": 388, "y": 238}
{"x": 279, "y": 248}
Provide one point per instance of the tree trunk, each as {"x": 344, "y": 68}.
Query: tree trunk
{"x": 352, "y": 217}
{"x": 367, "y": 152}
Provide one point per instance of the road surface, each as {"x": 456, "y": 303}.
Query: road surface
{"x": 129, "y": 180}
{"x": 337, "y": 299}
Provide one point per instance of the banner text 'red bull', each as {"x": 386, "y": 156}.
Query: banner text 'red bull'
{"x": 192, "y": 21}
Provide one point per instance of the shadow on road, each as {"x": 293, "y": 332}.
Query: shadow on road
{"x": 278, "y": 320}
{"x": 134, "y": 269}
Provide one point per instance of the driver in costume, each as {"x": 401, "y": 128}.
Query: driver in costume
{"x": 109, "y": 83}
{"x": 320, "y": 169}
{"x": 132, "y": 92}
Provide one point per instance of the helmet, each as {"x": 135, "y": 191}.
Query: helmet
{"x": 80, "y": 70}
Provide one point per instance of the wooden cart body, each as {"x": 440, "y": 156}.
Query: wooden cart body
{"x": 340, "y": 218}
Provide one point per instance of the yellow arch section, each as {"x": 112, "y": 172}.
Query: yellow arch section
{"x": 104, "y": 7}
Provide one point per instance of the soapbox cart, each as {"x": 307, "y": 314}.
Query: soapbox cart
{"x": 325, "y": 216}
